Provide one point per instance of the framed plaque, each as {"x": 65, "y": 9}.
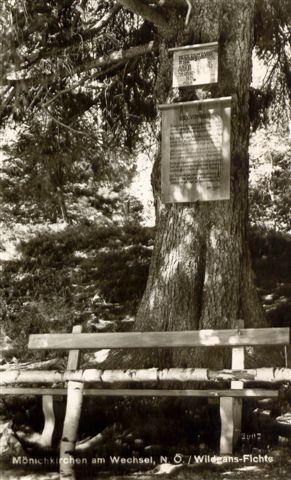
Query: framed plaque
{"x": 195, "y": 64}
{"x": 196, "y": 150}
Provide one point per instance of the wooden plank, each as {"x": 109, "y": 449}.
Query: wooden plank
{"x": 32, "y": 391}
{"x": 208, "y": 101}
{"x": 198, "y": 338}
{"x": 231, "y": 408}
{"x": 191, "y": 47}
{"x": 260, "y": 393}
{"x": 244, "y": 393}
{"x": 74, "y": 355}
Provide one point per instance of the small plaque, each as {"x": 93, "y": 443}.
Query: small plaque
{"x": 196, "y": 150}
{"x": 195, "y": 65}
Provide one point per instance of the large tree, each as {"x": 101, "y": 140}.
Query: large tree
{"x": 117, "y": 54}
{"x": 200, "y": 275}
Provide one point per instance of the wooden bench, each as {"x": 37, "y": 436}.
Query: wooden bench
{"x": 75, "y": 380}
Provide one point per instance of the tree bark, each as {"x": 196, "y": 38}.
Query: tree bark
{"x": 200, "y": 274}
{"x": 91, "y": 375}
{"x": 62, "y": 205}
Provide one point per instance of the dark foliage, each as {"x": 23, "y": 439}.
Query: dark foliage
{"x": 271, "y": 252}
{"x": 78, "y": 275}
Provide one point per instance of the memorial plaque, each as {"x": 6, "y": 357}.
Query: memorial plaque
{"x": 196, "y": 150}
{"x": 195, "y": 65}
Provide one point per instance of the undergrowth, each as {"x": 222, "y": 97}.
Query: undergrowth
{"x": 84, "y": 274}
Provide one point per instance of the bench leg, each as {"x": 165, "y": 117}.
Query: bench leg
{"x": 70, "y": 430}
{"x": 231, "y": 408}
{"x": 230, "y": 415}
{"x": 49, "y": 421}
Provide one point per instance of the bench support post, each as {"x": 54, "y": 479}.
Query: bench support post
{"x": 48, "y": 400}
{"x": 70, "y": 430}
{"x": 72, "y": 416}
{"x": 231, "y": 408}
{"x": 230, "y": 415}
{"x": 49, "y": 420}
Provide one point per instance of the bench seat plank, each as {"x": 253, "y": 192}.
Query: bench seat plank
{"x": 197, "y": 338}
{"x": 240, "y": 393}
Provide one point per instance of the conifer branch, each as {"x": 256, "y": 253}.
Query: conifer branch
{"x": 148, "y": 13}
{"x": 101, "y": 62}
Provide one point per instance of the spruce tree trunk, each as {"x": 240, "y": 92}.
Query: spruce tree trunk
{"x": 200, "y": 274}
{"x": 62, "y": 205}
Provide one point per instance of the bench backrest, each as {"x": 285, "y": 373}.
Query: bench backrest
{"x": 196, "y": 338}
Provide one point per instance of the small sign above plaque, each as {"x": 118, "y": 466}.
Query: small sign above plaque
{"x": 195, "y": 65}
{"x": 196, "y": 150}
